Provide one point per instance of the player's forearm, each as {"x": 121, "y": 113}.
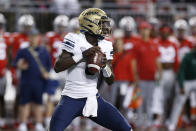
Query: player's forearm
{"x": 134, "y": 69}
{"x": 159, "y": 68}
{"x": 63, "y": 62}
{"x": 180, "y": 77}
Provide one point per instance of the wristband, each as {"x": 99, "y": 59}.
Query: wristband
{"x": 107, "y": 72}
{"x": 77, "y": 57}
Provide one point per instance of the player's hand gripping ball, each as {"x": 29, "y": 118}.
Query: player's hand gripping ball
{"x": 95, "y": 62}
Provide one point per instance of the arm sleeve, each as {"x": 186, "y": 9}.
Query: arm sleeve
{"x": 69, "y": 44}
{"x": 181, "y": 72}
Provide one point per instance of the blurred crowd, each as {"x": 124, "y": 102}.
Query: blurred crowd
{"x": 154, "y": 66}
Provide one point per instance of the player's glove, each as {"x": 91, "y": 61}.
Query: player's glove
{"x": 107, "y": 72}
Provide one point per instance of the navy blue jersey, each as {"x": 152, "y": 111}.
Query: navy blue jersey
{"x": 32, "y": 76}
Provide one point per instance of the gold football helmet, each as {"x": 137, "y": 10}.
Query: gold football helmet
{"x": 95, "y": 21}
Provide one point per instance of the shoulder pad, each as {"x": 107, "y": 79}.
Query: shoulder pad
{"x": 69, "y": 40}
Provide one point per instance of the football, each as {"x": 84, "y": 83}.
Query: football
{"x": 94, "y": 62}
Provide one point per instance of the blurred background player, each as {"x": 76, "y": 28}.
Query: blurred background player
{"x": 74, "y": 25}
{"x": 122, "y": 63}
{"x": 4, "y": 65}
{"x": 25, "y": 25}
{"x": 146, "y": 64}
{"x": 183, "y": 44}
{"x": 32, "y": 80}
{"x": 155, "y": 25}
{"x": 192, "y": 23}
{"x": 123, "y": 89}
{"x": 53, "y": 40}
{"x": 169, "y": 62}
{"x": 128, "y": 25}
{"x": 187, "y": 82}
{"x": 123, "y": 75}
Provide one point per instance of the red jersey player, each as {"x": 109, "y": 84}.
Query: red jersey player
{"x": 128, "y": 25}
{"x": 26, "y": 24}
{"x": 146, "y": 64}
{"x": 4, "y": 44}
{"x": 19, "y": 39}
{"x": 169, "y": 62}
{"x": 54, "y": 38}
{"x": 183, "y": 44}
{"x": 122, "y": 61}
{"x": 155, "y": 25}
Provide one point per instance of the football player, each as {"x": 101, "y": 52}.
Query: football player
{"x": 54, "y": 38}
{"x": 169, "y": 62}
{"x": 122, "y": 63}
{"x": 128, "y": 25}
{"x": 80, "y": 96}
{"x": 183, "y": 44}
{"x": 25, "y": 25}
{"x": 184, "y": 47}
{"x": 53, "y": 41}
{"x": 145, "y": 65}
{"x": 20, "y": 40}
{"x": 192, "y": 23}
{"x": 4, "y": 55}
{"x": 155, "y": 24}
{"x": 186, "y": 78}
{"x": 33, "y": 80}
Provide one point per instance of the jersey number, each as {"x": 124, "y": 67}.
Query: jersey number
{"x": 57, "y": 47}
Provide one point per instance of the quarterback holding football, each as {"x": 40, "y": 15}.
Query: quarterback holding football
{"x": 86, "y": 56}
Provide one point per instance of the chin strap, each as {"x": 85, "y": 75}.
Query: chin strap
{"x": 97, "y": 36}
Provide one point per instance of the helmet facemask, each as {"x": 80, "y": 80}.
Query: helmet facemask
{"x": 105, "y": 27}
